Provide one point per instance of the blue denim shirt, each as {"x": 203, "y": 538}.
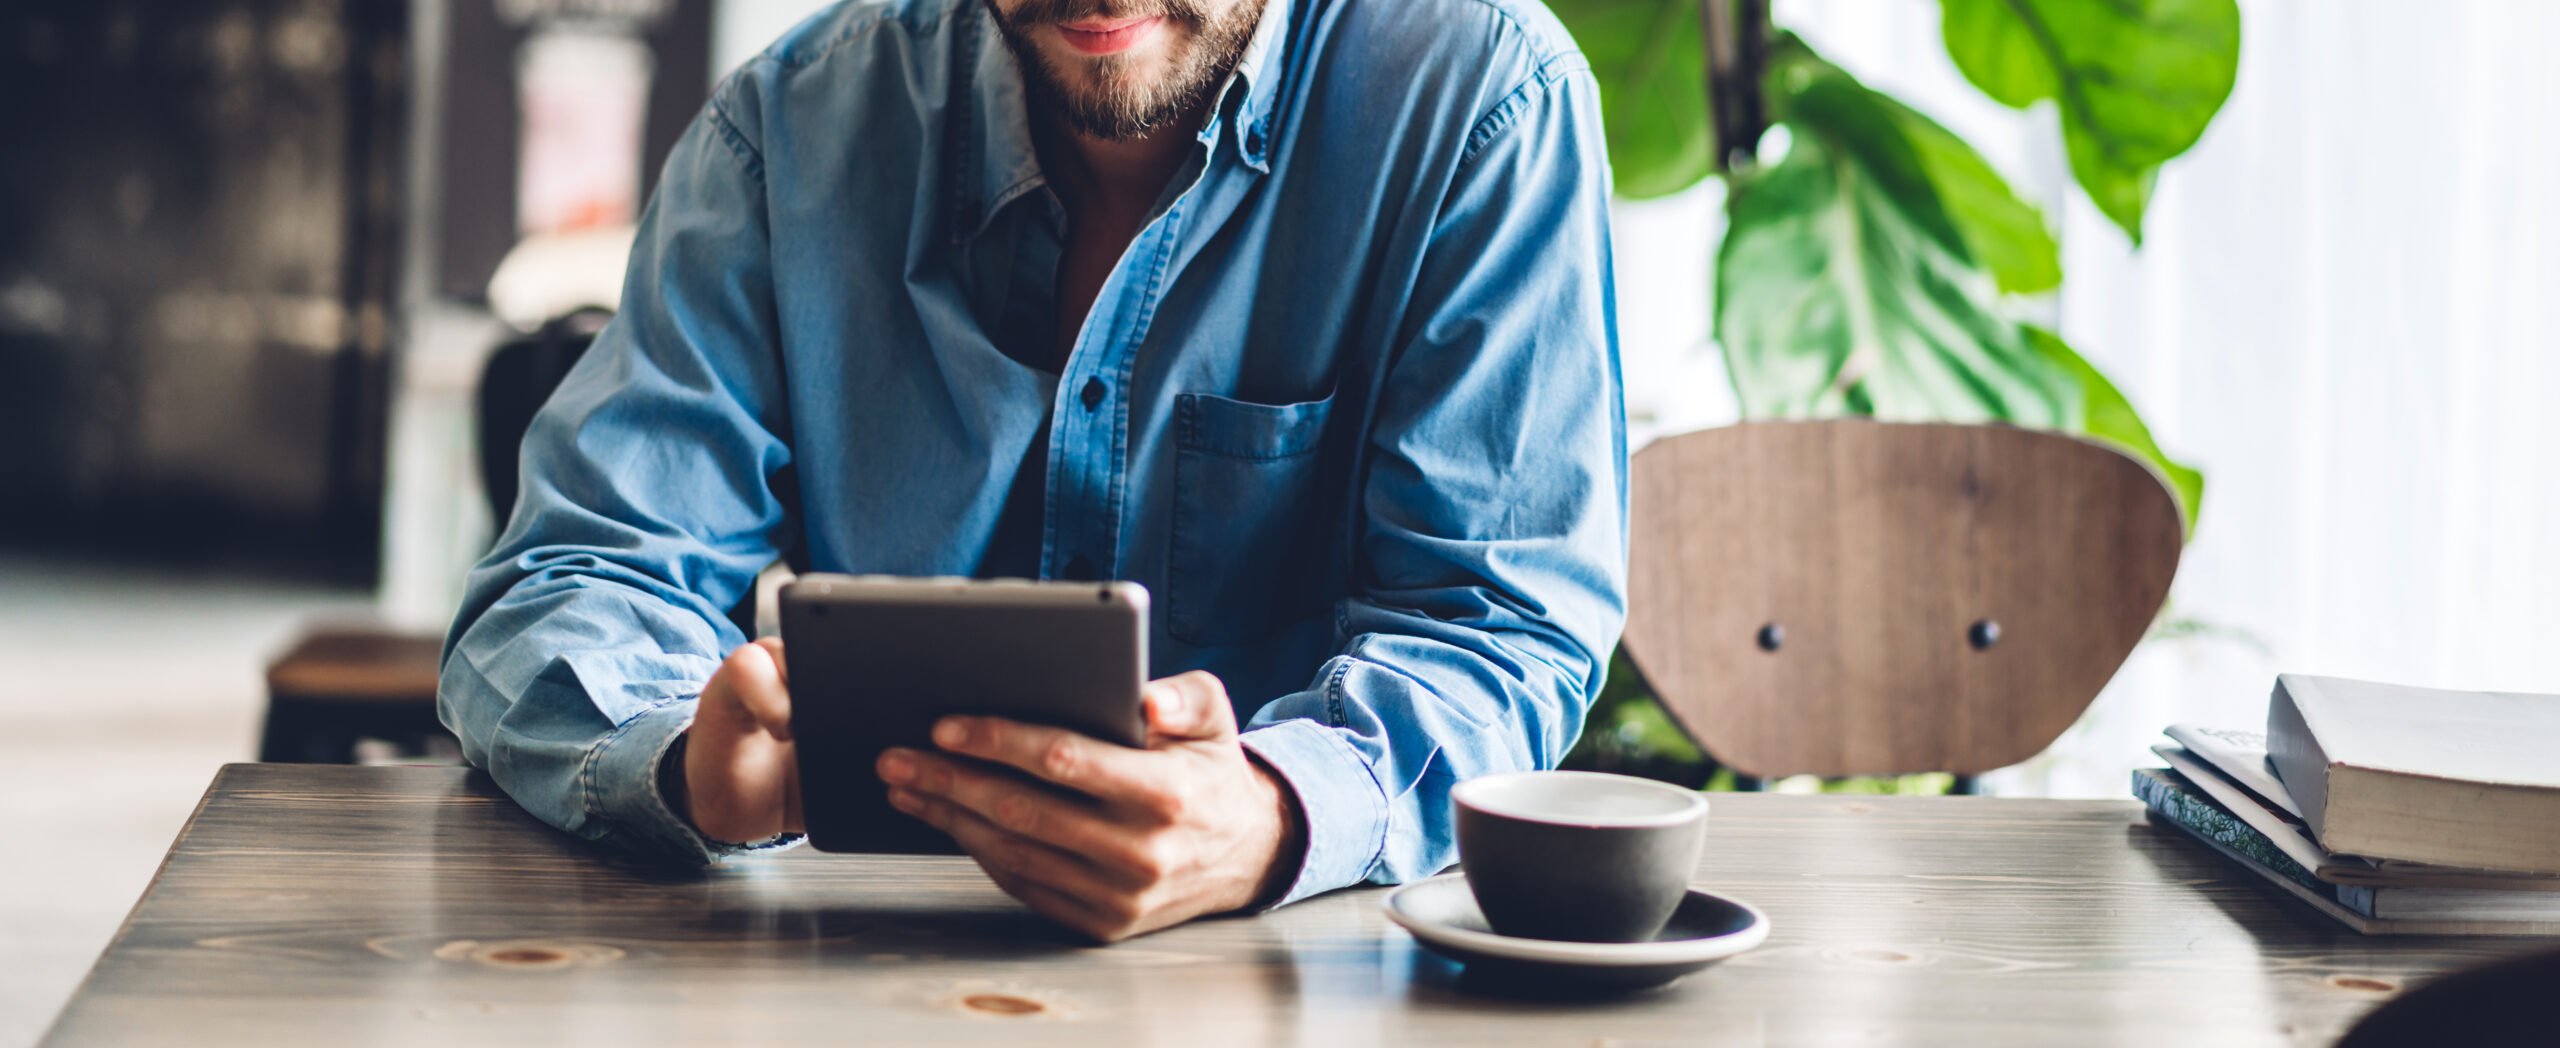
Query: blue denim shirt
{"x": 1348, "y": 406}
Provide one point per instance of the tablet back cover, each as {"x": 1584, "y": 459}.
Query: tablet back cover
{"x": 874, "y": 663}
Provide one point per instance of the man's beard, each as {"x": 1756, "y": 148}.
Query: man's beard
{"x": 1115, "y": 105}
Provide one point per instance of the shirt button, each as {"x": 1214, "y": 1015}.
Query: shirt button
{"x": 1080, "y": 569}
{"x": 1093, "y": 393}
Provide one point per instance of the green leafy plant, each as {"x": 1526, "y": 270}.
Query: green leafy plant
{"x": 1873, "y": 263}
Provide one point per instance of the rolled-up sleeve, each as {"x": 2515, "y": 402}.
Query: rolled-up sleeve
{"x": 1493, "y": 561}
{"x": 648, "y": 506}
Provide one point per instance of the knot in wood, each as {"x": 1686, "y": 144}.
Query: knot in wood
{"x": 529, "y": 954}
{"x": 1002, "y": 1004}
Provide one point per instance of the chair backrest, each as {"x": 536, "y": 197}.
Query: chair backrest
{"x": 519, "y": 379}
{"x": 520, "y": 375}
{"x": 1852, "y": 597}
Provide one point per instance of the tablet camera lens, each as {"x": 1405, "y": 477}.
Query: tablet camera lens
{"x": 1103, "y": 595}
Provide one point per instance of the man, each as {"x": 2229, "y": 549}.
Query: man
{"x": 1296, "y": 312}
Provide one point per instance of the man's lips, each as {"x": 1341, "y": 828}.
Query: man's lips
{"x": 1105, "y": 36}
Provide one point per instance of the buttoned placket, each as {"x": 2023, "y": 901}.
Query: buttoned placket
{"x": 1089, "y": 435}
{"x": 1089, "y": 427}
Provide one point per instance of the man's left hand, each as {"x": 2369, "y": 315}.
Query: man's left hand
{"x": 1112, "y": 841}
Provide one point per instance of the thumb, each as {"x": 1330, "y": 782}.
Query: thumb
{"x": 751, "y": 679}
{"x": 1190, "y": 707}
{"x": 773, "y": 646}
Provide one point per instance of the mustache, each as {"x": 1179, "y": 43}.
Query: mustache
{"x": 1061, "y": 12}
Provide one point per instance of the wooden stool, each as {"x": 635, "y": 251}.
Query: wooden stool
{"x": 341, "y": 684}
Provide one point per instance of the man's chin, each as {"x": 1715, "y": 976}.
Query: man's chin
{"x": 1086, "y": 81}
{"x": 1135, "y": 90}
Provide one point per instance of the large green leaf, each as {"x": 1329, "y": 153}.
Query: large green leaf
{"x": 2136, "y": 80}
{"x": 2107, "y": 415}
{"x": 1847, "y": 284}
{"x": 1650, "y": 59}
{"x": 2006, "y": 235}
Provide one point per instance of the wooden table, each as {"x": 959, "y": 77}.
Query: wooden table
{"x": 336, "y": 905}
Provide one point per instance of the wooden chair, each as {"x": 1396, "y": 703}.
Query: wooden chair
{"x": 1852, "y": 597}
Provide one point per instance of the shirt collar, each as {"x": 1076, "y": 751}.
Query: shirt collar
{"x": 992, "y": 159}
{"x": 1258, "y": 69}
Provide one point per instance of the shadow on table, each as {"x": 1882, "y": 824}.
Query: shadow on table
{"x": 959, "y": 933}
{"x": 1436, "y": 980}
{"x": 2260, "y": 910}
{"x": 1713, "y": 1006}
{"x": 2322, "y": 956}
{"x": 2287, "y": 926}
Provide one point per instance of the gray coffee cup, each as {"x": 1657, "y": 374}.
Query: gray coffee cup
{"x": 1578, "y": 856}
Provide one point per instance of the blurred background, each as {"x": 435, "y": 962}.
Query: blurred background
{"x": 259, "y": 260}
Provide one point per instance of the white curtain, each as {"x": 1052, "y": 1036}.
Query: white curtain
{"x": 2343, "y": 312}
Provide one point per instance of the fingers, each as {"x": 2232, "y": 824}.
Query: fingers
{"x": 1087, "y": 765}
{"x": 1058, "y": 906}
{"x": 1071, "y": 824}
{"x": 1109, "y": 840}
{"x": 1058, "y": 884}
{"x": 1190, "y": 707}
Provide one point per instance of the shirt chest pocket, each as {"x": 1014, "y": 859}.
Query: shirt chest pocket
{"x": 1251, "y": 516}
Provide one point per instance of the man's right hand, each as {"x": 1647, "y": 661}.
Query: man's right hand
{"x": 741, "y": 776}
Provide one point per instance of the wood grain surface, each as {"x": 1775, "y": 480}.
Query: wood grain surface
{"x": 1876, "y": 547}
{"x": 310, "y": 904}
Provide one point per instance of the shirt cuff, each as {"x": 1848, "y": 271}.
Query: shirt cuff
{"x": 1345, "y": 809}
{"x": 622, "y": 789}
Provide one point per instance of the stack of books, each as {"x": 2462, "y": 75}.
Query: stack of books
{"x": 2395, "y": 810}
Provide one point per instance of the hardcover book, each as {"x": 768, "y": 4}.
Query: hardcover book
{"x": 2290, "y": 835}
{"x": 2454, "y": 778}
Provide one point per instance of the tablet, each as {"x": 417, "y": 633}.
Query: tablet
{"x": 874, "y": 660}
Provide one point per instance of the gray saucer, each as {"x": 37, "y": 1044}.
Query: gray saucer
{"x": 1442, "y": 915}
